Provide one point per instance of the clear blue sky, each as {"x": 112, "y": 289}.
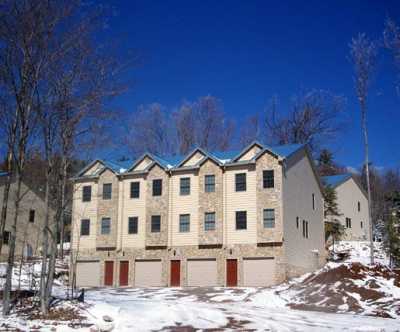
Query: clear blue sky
{"x": 244, "y": 52}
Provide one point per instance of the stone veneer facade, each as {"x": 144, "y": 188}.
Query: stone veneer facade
{"x": 211, "y": 202}
{"x": 157, "y": 205}
{"x": 107, "y": 209}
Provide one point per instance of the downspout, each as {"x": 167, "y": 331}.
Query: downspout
{"x": 120, "y": 213}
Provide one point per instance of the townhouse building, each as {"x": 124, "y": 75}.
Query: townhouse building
{"x": 30, "y": 219}
{"x": 352, "y": 202}
{"x": 250, "y": 218}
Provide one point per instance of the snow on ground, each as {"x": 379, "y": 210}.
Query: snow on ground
{"x": 359, "y": 251}
{"x": 336, "y": 299}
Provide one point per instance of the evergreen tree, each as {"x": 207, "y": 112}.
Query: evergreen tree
{"x": 392, "y": 238}
{"x": 333, "y": 228}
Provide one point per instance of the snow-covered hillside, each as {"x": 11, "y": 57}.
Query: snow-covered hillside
{"x": 347, "y": 295}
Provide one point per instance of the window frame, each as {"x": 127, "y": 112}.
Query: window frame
{"x": 266, "y": 219}
{"x": 155, "y": 218}
{"x": 133, "y": 190}
{"x": 135, "y": 221}
{"x": 88, "y": 227}
{"x": 184, "y": 224}
{"x": 102, "y": 228}
{"x": 86, "y": 196}
{"x": 155, "y": 187}
{"x": 184, "y": 186}
{"x": 107, "y": 195}
{"x": 313, "y": 201}
{"x": 240, "y": 186}
{"x": 6, "y": 237}
{"x": 268, "y": 179}
{"x": 238, "y": 215}
{"x": 209, "y": 187}
{"x": 348, "y": 222}
{"x": 305, "y": 229}
{"x": 32, "y": 215}
{"x": 208, "y": 222}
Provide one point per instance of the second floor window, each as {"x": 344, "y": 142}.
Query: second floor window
{"x": 85, "y": 227}
{"x": 185, "y": 186}
{"x": 348, "y": 222}
{"x": 184, "y": 223}
{"x": 361, "y": 224}
{"x": 240, "y": 182}
{"x": 313, "y": 201}
{"x": 157, "y": 187}
{"x": 297, "y": 222}
{"x": 268, "y": 179}
{"x": 132, "y": 225}
{"x": 105, "y": 226}
{"x": 31, "y": 215}
{"x": 6, "y": 237}
{"x": 209, "y": 221}
{"x": 107, "y": 190}
{"x": 358, "y": 206}
{"x": 269, "y": 218}
{"x": 305, "y": 229}
{"x": 209, "y": 183}
{"x": 135, "y": 189}
{"x": 155, "y": 224}
{"x": 86, "y": 193}
{"x": 241, "y": 219}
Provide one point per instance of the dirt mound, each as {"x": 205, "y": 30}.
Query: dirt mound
{"x": 350, "y": 287}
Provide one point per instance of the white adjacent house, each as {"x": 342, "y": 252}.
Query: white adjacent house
{"x": 352, "y": 204}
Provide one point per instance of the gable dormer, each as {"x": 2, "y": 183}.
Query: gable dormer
{"x": 193, "y": 158}
{"x": 249, "y": 152}
{"x": 142, "y": 164}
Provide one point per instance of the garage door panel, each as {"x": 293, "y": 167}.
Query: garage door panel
{"x": 148, "y": 273}
{"x": 258, "y": 271}
{"x": 202, "y": 272}
{"x": 88, "y": 274}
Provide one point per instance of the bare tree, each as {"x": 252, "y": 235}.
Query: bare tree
{"x": 151, "y": 130}
{"x": 250, "y": 130}
{"x": 391, "y": 38}
{"x": 157, "y": 130}
{"x": 314, "y": 118}
{"x": 214, "y": 130}
{"x": 363, "y": 53}
{"x": 185, "y": 122}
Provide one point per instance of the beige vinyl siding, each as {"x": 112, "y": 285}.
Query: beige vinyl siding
{"x": 134, "y": 207}
{"x": 143, "y": 164}
{"x": 194, "y": 159}
{"x": 241, "y": 201}
{"x": 299, "y": 183}
{"x": 187, "y": 204}
{"x": 250, "y": 154}
{"x": 348, "y": 195}
{"x": 84, "y": 210}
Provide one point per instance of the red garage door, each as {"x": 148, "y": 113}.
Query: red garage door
{"x": 108, "y": 273}
{"x": 123, "y": 273}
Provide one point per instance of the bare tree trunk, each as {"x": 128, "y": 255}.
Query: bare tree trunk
{"x": 366, "y": 151}
{"x": 45, "y": 249}
{"x": 52, "y": 267}
{"x": 63, "y": 204}
{"x": 11, "y": 253}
